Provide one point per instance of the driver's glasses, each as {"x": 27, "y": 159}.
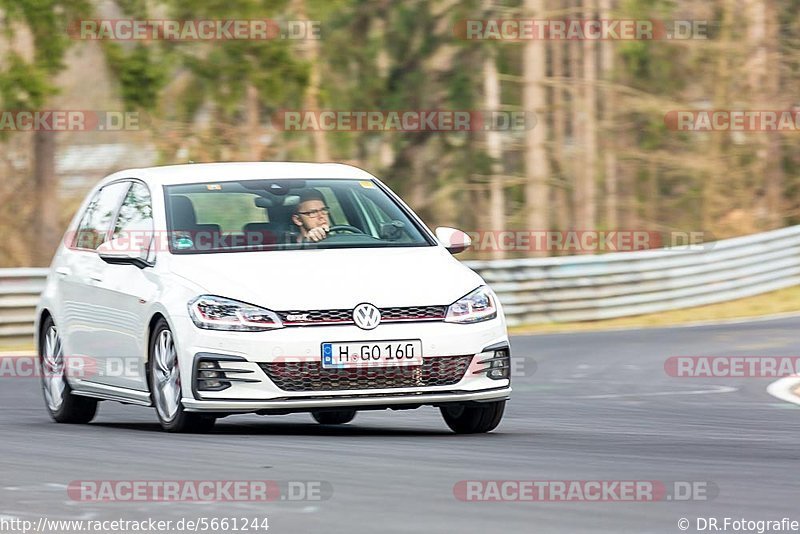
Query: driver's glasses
{"x": 316, "y": 213}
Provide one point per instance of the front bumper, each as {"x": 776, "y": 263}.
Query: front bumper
{"x": 370, "y": 400}
{"x": 257, "y": 392}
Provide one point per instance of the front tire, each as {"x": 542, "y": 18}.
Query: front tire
{"x": 165, "y": 385}
{"x": 62, "y": 405}
{"x": 334, "y": 417}
{"x": 473, "y": 419}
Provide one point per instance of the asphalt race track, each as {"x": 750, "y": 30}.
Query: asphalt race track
{"x": 595, "y": 406}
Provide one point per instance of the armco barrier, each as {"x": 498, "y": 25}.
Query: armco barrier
{"x": 570, "y": 288}
{"x": 586, "y": 288}
{"x": 19, "y": 293}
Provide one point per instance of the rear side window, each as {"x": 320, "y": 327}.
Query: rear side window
{"x": 95, "y": 224}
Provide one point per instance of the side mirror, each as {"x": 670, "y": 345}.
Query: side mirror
{"x": 453, "y": 240}
{"x": 125, "y": 251}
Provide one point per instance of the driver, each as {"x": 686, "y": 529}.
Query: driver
{"x": 311, "y": 216}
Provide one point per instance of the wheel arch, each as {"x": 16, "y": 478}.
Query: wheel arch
{"x": 44, "y": 314}
{"x": 157, "y": 316}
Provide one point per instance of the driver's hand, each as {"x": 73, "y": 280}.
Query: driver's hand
{"x": 318, "y": 234}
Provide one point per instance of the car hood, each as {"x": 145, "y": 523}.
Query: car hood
{"x": 331, "y": 279}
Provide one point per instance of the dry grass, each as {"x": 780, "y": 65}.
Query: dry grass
{"x": 776, "y": 302}
{"x": 15, "y": 347}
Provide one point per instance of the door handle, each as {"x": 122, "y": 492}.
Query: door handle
{"x": 63, "y": 271}
{"x": 95, "y": 277}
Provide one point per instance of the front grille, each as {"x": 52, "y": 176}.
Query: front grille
{"x": 344, "y": 316}
{"x": 413, "y": 313}
{"x": 310, "y": 376}
{"x": 316, "y": 316}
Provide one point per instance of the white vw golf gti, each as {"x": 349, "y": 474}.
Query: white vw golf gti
{"x": 208, "y": 290}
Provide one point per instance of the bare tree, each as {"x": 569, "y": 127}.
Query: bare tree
{"x": 763, "y": 68}
{"x": 585, "y": 197}
{"x": 712, "y": 201}
{"x": 577, "y": 125}
{"x": 537, "y": 168}
{"x": 252, "y": 123}
{"x": 494, "y": 147}
{"x": 311, "y": 53}
{"x": 561, "y": 208}
{"x": 609, "y": 109}
{"x": 46, "y": 195}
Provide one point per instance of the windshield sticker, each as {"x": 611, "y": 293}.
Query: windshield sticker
{"x": 214, "y": 187}
{"x": 183, "y": 241}
{"x": 366, "y": 184}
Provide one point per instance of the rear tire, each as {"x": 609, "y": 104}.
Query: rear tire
{"x": 165, "y": 378}
{"x": 62, "y": 405}
{"x": 334, "y": 417}
{"x": 473, "y": 419}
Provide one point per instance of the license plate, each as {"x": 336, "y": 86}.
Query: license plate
{"x": 396, "y": 353}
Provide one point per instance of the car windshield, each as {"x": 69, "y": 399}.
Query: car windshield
{"x": 256, "y": 215}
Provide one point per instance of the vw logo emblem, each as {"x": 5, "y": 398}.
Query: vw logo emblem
{"x": 366, "y": 316}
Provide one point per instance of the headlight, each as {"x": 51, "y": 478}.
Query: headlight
{"x": 217, "y": 313}
{"x": 476, "y": 307}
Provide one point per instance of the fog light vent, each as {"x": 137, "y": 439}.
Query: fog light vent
{"x": 210, "y": 377}
{"x": 495, "y": 364}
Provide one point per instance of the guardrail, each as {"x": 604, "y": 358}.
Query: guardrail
{"x": 19, "y": 293}
{"x": 569, "y": 288}
{"x": 587, "y": 288}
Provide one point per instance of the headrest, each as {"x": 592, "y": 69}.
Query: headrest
{"x": 183, "y": 215}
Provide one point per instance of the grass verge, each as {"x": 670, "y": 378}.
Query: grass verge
{"x": 776, "y": 302}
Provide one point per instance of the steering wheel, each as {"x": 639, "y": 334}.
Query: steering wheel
{"x": 345, "y": 228}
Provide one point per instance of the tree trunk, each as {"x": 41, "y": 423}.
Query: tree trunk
{"x": 494, "y": 149}
{"x": 713, "y": 184}
{"x": 321, "y": 151}
{"x": 252, "y": 124}
{"x": 537, "y": 170}
{"x": 764, "y": 80}
{"x": 311, "y": 54}
{"x": 45, "y": 196}
{"x": 419, "y": 195}
{"x": 577, "y": 127}
{"x": 609, "y": 134}
{"x": 560, "y": 211}
{"x": 651, "y": 205}
{"x": 586, "y": 198}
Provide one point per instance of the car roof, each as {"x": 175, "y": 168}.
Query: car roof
{"x": 225, "y": 172}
